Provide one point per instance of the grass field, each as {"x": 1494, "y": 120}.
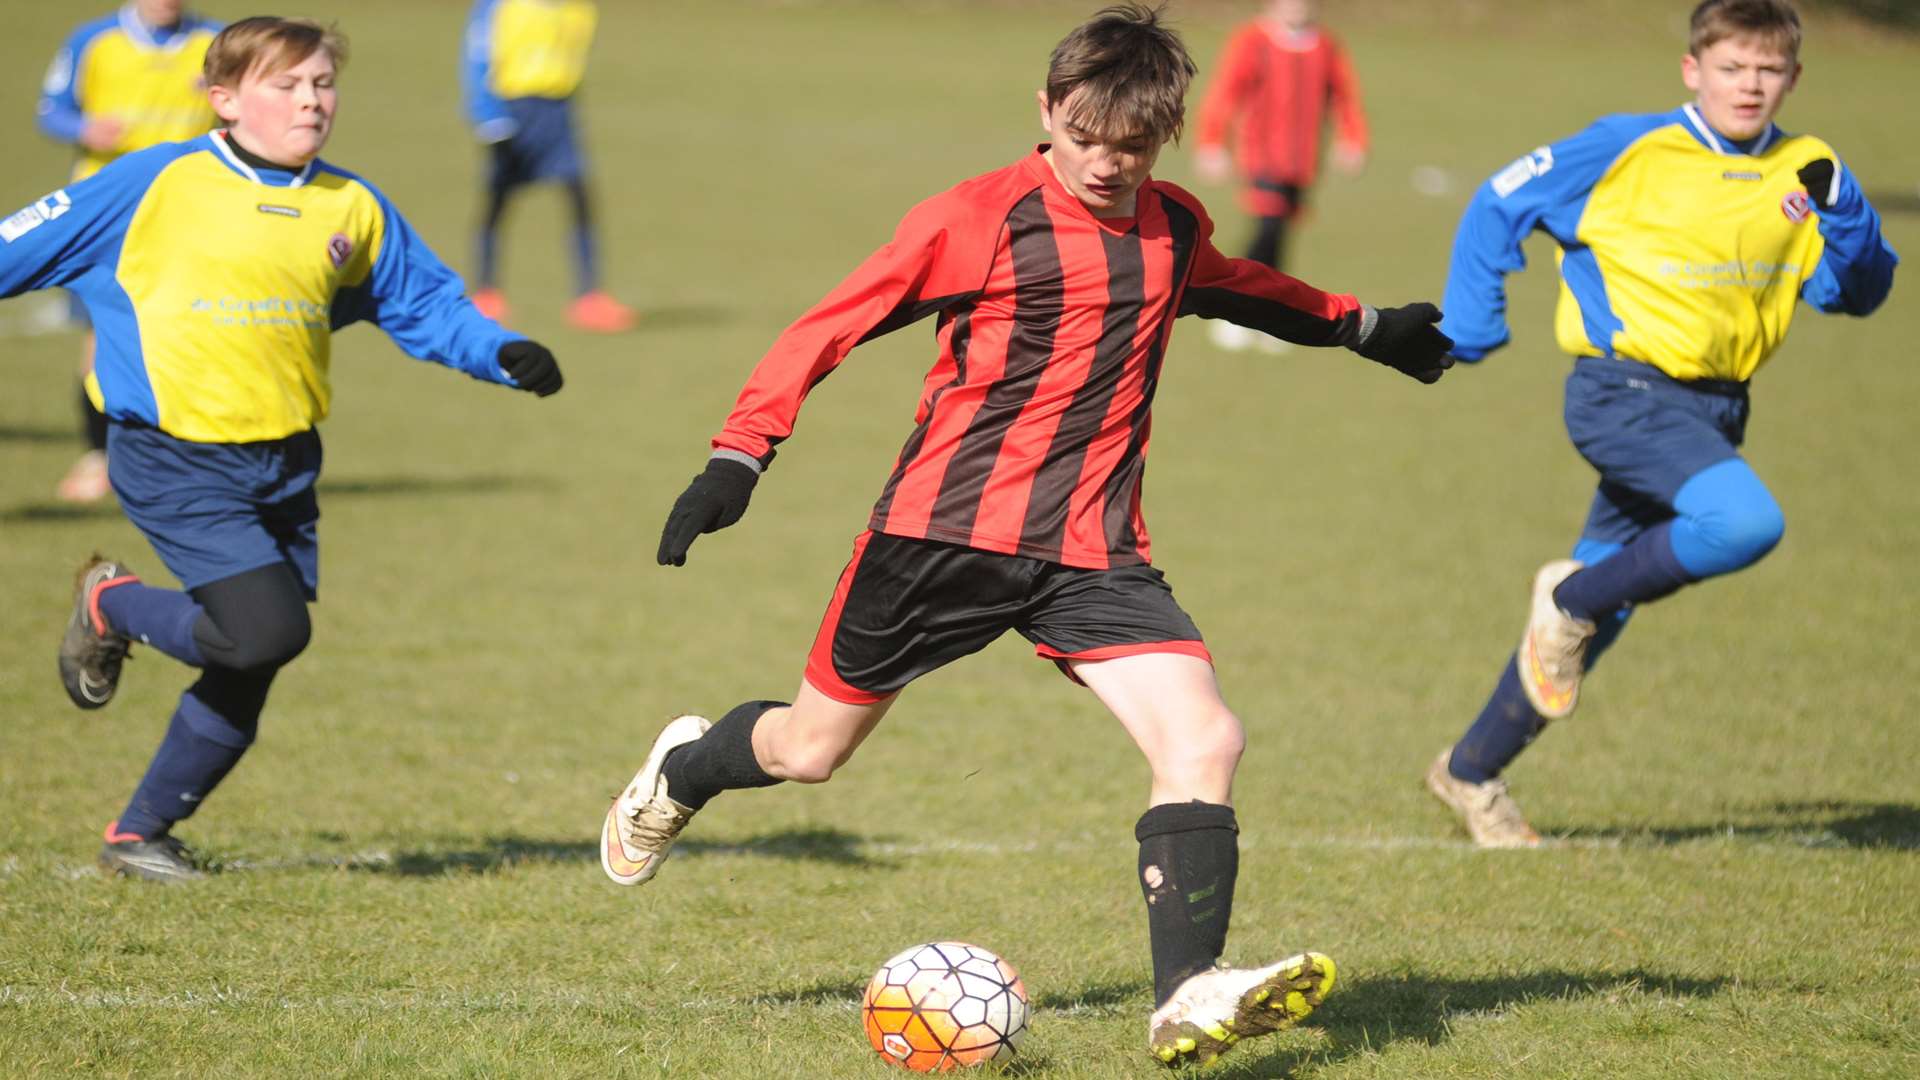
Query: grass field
{"x": 411, "y": 887}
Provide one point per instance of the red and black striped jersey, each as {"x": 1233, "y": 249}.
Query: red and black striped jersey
{"x": 1031, "y": 432}
{"x": 1275, "y": 88}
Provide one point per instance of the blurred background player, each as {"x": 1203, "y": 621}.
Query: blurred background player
{"x": 212, "y": 407}
{"x": 524, "y": 62}
{"x": 1280, "y": 79}
{"x": 1670, "y": 304}
{"x": 122, "y": 82}
{"x": 1015, "y": 504}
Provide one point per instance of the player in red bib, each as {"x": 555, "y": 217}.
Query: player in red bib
{"x": 1283, "y": 77}
{"x": 1015, "y": 502}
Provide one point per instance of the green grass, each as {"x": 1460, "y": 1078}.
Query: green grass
{"x": 412, "y": 888}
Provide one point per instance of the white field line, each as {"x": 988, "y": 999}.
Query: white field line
{"x": 380, "y": 858}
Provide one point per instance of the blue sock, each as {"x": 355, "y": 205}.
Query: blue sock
{"x": 1503, "y": 729}
{"x": 489, "y": 257}
{"x": 201, "y": 746}
{"x": 1643, "y": 571}
{"x": 162, "y": 618}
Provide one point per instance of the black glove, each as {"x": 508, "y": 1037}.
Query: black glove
{"x": 1817, "y": 177}
{"x": 531, "y": 367}
{"x": 715, "y": 500}
{"x": 1406, "y": 339}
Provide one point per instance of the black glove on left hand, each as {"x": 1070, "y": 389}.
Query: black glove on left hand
{"x": 531, "y": 367}
{"x": 1406, "y": 339}
{"x": 1817, "y": 177}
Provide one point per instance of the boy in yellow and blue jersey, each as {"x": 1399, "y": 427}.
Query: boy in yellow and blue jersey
{"x": 1687, "y": 241}
{"x": 522, "y": 69}
{"x": 121, "y": 83}
{"x": 217, "y": 270}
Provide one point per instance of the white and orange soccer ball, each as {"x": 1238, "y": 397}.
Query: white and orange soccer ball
{"x": 945, "y": 1005}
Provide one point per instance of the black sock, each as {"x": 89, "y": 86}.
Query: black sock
{"x": 720, "y": 760}
{"x": 1189, "y": 857}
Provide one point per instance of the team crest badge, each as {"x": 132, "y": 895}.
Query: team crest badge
{"x": 1796, "y": 206}
{"x": 339, "y": 249}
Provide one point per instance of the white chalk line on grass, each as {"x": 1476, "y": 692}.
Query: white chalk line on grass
{"x": 382, "y": 859}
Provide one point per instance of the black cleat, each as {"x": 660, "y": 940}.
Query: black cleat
{"x": 163, "y": 859}
{"x": 90, "y": 652}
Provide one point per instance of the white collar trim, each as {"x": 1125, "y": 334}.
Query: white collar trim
{"x": 220, "y": 141}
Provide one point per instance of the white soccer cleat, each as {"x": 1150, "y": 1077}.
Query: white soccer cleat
{"x": 1553, "y": 652}
{"x": 1215, "y": 1009}
{"x": 1491, "y": 816}
{"x": 642, "y": 823}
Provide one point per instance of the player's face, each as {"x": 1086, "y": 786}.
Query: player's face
{"x": 284, "y": 116}
{"x": 1295, "y": 14}
{"x": 159, "y": 12}
{"x": 1739, "y": 84}
{"x": 1103, "y": 171}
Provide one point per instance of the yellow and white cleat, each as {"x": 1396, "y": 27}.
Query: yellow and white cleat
{"x": 1214, "y": 1010}
{"x": 1491, "y": 816}
{"x": 643, "y": 821}
{"x": 1553, "y": 652}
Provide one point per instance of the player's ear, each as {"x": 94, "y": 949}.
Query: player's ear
{"x": 1046, "y": 113}
{"x": 1690, "y": 72}
{"x": 225, "y": 103}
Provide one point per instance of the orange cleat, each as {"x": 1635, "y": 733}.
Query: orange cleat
{"x": 598, "y": 313}
{"x": 492, "y": 303}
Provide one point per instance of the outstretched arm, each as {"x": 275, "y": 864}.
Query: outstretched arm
{"x": 1546, "y": 189}
{"x": 939, "y": 257}
{"x": 402, "y": 287}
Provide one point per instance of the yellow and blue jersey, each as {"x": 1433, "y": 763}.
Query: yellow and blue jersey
{"x": 1678, "y": 247}
{"x": 215, "y": 287}
{"x": 523, "y": 49}
{"x": 121, "y": 69}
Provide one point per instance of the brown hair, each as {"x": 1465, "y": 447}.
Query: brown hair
{"x": 271, "y": 44}
{"x": 1773, "y": 22}
{"x": 1131, "y": 70}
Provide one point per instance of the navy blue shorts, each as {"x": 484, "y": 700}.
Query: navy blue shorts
{"x": 213, "y": 510}
{"x": 1647, "y": 434}
{"x": 543, "y": 146}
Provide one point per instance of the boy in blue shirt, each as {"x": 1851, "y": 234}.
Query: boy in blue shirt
{"x": 216, "y": 270}
{"x": 121, "y": 83}
{"x": 523, "y": 66}
{"x": 1687, "y": 240}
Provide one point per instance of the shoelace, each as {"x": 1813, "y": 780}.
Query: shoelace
{"x": 654, "y": 824}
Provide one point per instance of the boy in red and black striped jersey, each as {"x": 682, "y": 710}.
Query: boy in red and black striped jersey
{"x": 1015, "y": 503}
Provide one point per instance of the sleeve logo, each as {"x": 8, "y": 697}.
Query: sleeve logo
{"x": 1508, "y": 180}
{"x": 34, "y": 215}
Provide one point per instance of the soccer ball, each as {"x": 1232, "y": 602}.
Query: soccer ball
{"x": 945, "y": 1005}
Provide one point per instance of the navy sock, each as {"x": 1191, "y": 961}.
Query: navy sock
{"x": 209, "y": 732}
{"x": 1643, "y": 571}
{"x": 721, "y": 760}
{"x": 586, "y": 255}
{"x": 1503, "y": 729}
{"x": 162, "y": 618}
{"x": 1189, "y": 859}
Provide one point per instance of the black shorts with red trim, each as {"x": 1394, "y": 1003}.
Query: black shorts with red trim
{"x": 905, "y": 607}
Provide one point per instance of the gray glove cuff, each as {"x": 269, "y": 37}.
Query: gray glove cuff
{"x": 740, "y": 456}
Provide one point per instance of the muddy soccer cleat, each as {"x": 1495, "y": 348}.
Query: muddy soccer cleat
{"x": 1214, "y": 1010}
{"x": 162, "y": 859}
{"x": 1552, "y": 657}
{"x": 1491, "y": 816}
{"x": 644, "y": 821}
{"x": 90, "y": 652}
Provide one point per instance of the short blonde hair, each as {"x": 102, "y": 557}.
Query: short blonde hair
{"x": 1133, "y": 68}
{"x": 269, "y": 43}
{"x": 1774, "y": 22}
